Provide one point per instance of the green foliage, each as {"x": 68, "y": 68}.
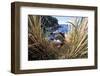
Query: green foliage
{"x": 48, "y": 24}
{"x": 48, "y": 21}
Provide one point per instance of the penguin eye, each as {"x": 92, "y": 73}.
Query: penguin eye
{"x": 47, "y": 30}
{"x": 52, "y": 39}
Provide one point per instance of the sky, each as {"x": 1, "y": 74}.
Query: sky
{"x": 61, "y": 20}
{"x": 65, "y": 19}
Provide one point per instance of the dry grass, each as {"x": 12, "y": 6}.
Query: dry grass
{"x": 75, "y": 43}
{"x": 38, "y": 46}
{"x": 78, "y": 39}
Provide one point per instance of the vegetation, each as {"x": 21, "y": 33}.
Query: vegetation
{"x": 75, "y": 43}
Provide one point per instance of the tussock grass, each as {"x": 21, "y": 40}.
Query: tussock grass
{"x": 75, "y": 43}
{"x": 78, "y": 39}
